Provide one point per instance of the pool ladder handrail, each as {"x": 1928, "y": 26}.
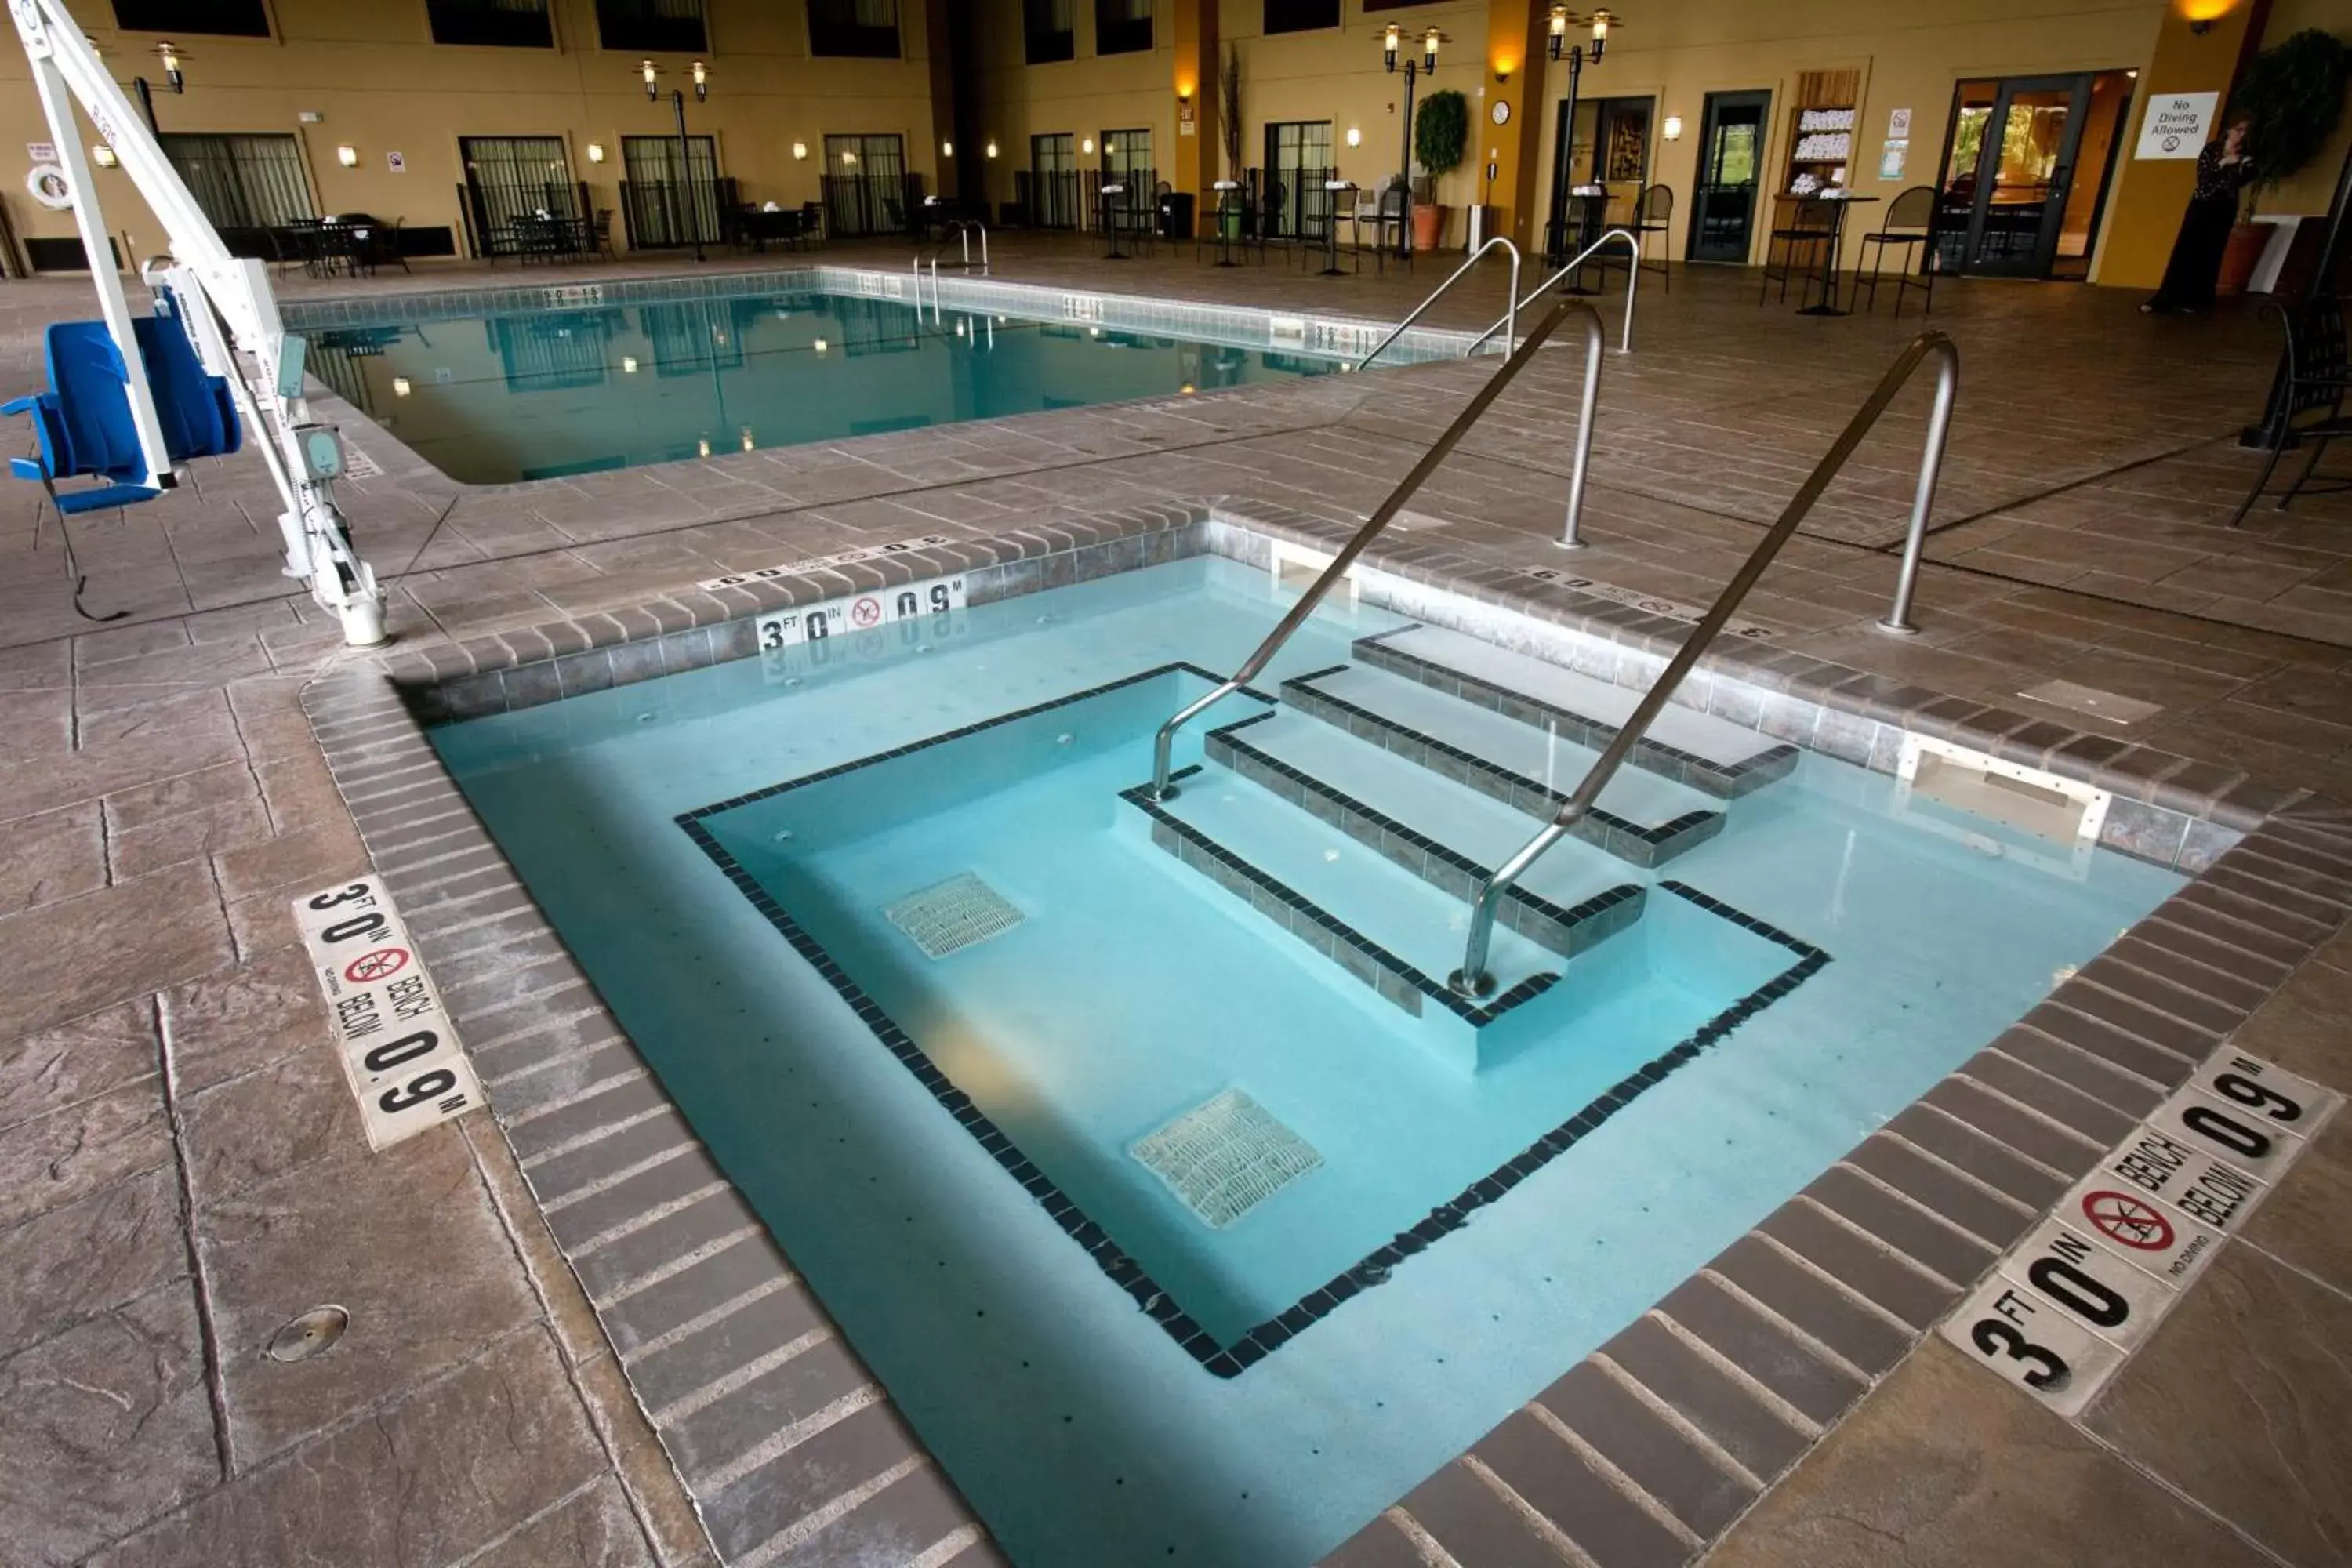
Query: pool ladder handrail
{"x": 1472, "y": 980}
{"x": 1576, "y": 263}
{"x": 1164, "y": 743}
{"x": 1511, "y": 318}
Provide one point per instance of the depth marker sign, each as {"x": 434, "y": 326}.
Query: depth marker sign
{"x": 2078, "y": 1295}
{"x": 399, "y": 1051}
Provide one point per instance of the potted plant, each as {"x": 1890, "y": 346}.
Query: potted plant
{"x": 1440, "y": 131}
{"x": 2292, "y": 95}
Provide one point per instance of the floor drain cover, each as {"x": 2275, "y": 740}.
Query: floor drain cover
{"x": 1224, "y": 1158}
{"x": 958, "y": 913}
{"x": 314, "y": 1331}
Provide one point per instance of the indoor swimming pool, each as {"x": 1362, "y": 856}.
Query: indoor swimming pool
{"x": 1138, "y": 1146}
{"x": 505, "y": 395}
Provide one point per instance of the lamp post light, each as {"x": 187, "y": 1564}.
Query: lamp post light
{"x": 1577, "y": 56}
{"x": 652, "y": 74}
{"x": 168, "y": 54}
{"x": 1390, "y": 41}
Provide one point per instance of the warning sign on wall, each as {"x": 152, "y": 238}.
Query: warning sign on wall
{"x": 2177, "y": 125}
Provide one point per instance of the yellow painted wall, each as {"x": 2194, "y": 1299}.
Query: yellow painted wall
{"x": 1331, "y": 74}
{"x": 1908, "y": 57}
{"x": 370, "y": 69}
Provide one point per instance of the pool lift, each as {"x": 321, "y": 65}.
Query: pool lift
{"x": 133, "y": 400}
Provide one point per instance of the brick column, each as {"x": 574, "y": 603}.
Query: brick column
{"x": 1198, "y": 159}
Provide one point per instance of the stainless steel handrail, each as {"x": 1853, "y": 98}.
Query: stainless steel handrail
{"x": 1472, "y": 979}
{"x": 1164, "y": 744}
{"x": 1596, "y": 338}
{"x": 1632, "y": 276}
{"x": 1511, "y": 318}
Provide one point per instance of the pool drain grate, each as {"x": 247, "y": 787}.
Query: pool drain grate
{"x": 1223, "y": 1158}
{"x": 960, "y": 912}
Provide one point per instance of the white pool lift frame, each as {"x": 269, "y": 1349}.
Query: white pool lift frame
{"x": 224, "y": 302}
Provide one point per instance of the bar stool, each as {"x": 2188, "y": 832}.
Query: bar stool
{"x": 1911, "y": 223}
{"x": 1800, "y": 239}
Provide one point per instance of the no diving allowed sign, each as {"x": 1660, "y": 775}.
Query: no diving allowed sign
{"x": 2078, "y": 1295}
{"x": 399, "y": 1051}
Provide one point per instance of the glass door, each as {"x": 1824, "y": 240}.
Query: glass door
{"x": 1054, "y": 181}
{"x": 1298, "y": 154}
{"x": 669, "y": 193}
{"x": 864, "y": 183}
{"x": 2014, "y": 194}
{"x": 1730, "y": 165}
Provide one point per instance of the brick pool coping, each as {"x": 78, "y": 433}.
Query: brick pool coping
{"x": 1644, "y": 1452}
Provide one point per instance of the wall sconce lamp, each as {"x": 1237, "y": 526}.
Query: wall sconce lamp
{"x": 991, "y": 149}
{"x": 628, "y": 364}
{"x": 647, "y": 68}
{"x": 400, "y": 387}
{"x": 595, "y": 151}
{"x": 1502, "y": 70}
{"x": 102, "y": 155}
{"x": 170, "y": 56}
{"x": 348, "y": 156}
{"x": 702, "y": 82}
{"x": 799, "y": 151}
{"x": 947, "y": 148}
{"x": 1088, "y": 146}
{"x": 1674, "y": 127}
{"x": 1355, "y": 136}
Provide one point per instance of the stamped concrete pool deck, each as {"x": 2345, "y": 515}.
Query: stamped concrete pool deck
{"x": 185, "y": 1168}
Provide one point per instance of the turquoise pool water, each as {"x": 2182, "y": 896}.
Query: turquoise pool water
{"x": 542, "y": 394}
{"x": 1084, "y": 1414}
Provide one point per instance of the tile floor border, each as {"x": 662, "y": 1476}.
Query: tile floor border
{"x": 1651, "y": 1447}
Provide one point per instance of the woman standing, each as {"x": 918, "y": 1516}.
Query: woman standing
{"x": 2222, "y": 170}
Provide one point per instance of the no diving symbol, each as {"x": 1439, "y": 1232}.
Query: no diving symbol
{"x": 865, "y": 611}
{"x": 2125, "y": 1219}
{"x": 381, "y": 965}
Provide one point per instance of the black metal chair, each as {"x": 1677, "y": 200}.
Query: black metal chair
{"x": 1910, "y": 224}
{"x": 1800, "y": 239}
{"x": 1653, "y": 213}
{"x": 2307, "y": 403}
{"x": 1273, "y": 196}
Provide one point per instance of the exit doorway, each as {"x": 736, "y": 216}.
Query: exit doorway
{"x": 2027, "y": 162}
{"x": 1730, "y": 171}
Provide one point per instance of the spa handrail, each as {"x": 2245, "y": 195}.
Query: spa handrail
{"x": 1632, "y": 276}
{"x": 1164, "y": 744}
{"x": 1511, "y": 318}
{"x": 1472, "y": 979}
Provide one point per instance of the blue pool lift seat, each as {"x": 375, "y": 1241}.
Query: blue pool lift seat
{"x": 83, "y": 422}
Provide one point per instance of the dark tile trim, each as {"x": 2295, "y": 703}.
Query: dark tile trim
{"x": 1226, "y": 1359}
{"x": 1630, "y": 841}
{"x": 1726, "y": 780}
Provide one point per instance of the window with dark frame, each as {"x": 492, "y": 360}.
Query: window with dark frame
{"x": 1300, "y": 16}
{"x": 497, "y": 24}
{"x": 1122, "y": 26}
{"x": 652, "y": 27}
{"x": 1049, "y": 31}
{"x": 231, "y": 18}
{"x": 857, "y": 29}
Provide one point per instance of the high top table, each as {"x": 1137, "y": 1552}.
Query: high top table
{"x": 1331, "y": 192}
{"x": 1109, "y": 210}
{"x": 1837, "y": 205}
{"x": 1228, "y": 201}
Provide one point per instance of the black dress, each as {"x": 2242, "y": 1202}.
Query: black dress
{"x": 2196, "y": 262}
